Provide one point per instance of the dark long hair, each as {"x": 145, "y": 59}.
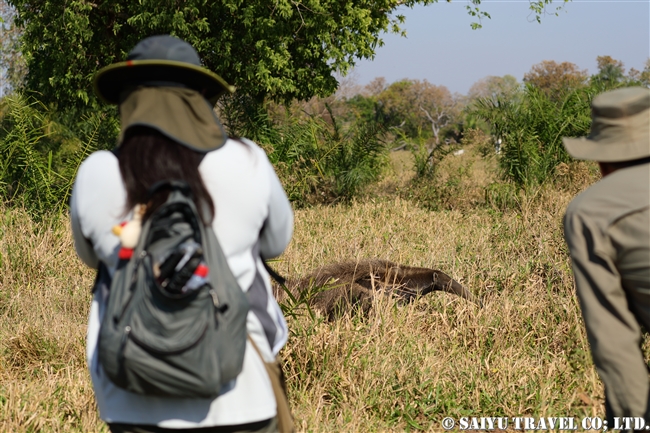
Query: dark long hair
{"x": 146, "y": 156}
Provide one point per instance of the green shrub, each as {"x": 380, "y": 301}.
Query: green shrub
{"x": 320, "y": 161}
{"x": 532, "y": 128}
{"x": 40, "y": 155}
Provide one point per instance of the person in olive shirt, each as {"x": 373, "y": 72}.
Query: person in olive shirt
{"x": 607, "y": 229}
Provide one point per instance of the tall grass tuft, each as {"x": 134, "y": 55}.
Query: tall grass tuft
{"x": 26, "y": 173}
{"x": 40, "y": 155}
{"x": 532, "y": 130}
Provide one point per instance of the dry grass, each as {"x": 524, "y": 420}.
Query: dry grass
{"x": 395, "y": 369}
{"x": 44, "y": 302}
{"x": 524, "y": 353}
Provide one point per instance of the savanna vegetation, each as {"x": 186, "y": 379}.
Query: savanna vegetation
{"x": 404, "y": 171}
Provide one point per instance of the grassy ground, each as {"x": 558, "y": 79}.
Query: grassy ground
{"x": 398, "y": 368}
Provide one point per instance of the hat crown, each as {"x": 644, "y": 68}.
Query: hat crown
{"x": 164, "y": 47}
{"x": 621, "y": 103}
{"x": 161, "y": 60}
{"x": 620, "y": 128}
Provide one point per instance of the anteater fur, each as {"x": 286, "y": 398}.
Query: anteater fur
{"x": 340, "y": 287}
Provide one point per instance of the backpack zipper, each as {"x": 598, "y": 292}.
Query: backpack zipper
{"x": 215, "y": 298}
{"x": 125, "y": 337}
{"x": 220, "y": 308}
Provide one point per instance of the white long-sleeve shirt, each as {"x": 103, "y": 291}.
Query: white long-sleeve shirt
{"x": 253, "y": 217}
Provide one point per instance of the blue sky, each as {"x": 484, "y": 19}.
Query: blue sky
{"x": 441, "y": 46}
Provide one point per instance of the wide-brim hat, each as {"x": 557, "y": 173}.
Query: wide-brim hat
{"x": 159, "y": 61}
{"x": 620, "y": 129}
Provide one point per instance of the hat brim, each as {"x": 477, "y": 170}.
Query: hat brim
{"x": 593, "y": 150}
{"x": 109, "y": 82}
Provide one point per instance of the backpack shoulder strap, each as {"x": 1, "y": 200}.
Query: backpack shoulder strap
{"x": 103, "y": 277}
{"x": 277, "y": 277}
{"x": 278, "y": 383}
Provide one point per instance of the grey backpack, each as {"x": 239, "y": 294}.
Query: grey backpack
{"x": 175, "y": 322}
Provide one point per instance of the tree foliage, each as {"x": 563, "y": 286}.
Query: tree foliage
{"x": 611, "y": 73}
{"x": 495, "y": 87}
{"x": 417, "y": 107}
{"x": 282, "y": 49}
{"x": 12, "y": 65}
{"x": 556, "y": 79}
{"x": 610, "y": 70}
{"x": 641, "y": 77}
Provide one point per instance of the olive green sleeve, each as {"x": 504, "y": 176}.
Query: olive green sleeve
{"x": 613, "y": 332}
